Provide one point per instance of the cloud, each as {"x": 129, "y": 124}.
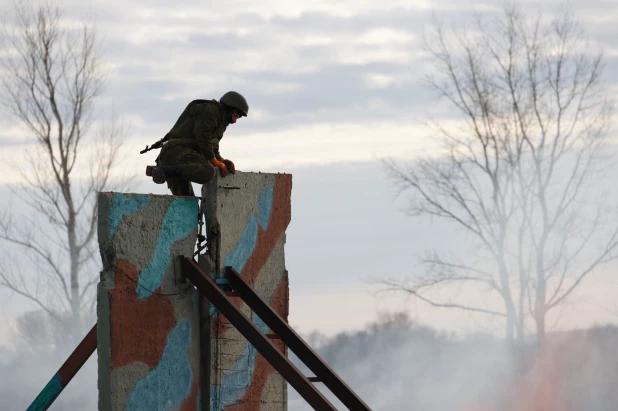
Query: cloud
{"x": 376, "y": 80}
{"x": 330, "y": 85}
{"x": 317, "y": 74}
{"x": 296, "y": 62}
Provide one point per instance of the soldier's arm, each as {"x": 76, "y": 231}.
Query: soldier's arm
{"x": 218, "y": 161}
{"x": 215, "y": 148}
{"x": 227, "y": 164}
{"x": 206, "y": 121}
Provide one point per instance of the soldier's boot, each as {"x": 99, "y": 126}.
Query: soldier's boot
{"x": 160, "y": 174}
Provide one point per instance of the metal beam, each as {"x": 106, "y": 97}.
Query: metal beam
{"x": 66, "y": 373}
{"x": 294, "y": 342}
{"x": 278, "y": 360}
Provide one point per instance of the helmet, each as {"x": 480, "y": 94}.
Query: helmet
{"x": 237, "y": 101}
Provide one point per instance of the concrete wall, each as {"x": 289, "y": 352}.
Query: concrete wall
{"x": 148, "y": 319}
{"x": 251, "y": 212}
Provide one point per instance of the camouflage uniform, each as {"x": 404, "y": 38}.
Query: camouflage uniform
{"x": 193, "y": 142}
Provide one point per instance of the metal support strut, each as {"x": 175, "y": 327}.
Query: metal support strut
{"x": 281, "y": 330}
{"x": 68, "y": 370}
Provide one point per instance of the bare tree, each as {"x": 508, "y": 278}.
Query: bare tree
{"x": 515, "y": 174}
{"x": 52, "y": 74}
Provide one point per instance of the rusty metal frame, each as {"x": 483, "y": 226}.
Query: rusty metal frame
{"x": 295, "y": 343}
{"x": 276, "y": 358}
{"x": 66, "y": 373}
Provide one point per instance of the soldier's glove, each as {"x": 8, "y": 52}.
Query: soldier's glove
{"x": 220, "y": 166}
{"x": 229, "y": 165}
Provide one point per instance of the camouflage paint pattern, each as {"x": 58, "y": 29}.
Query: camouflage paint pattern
{"x": 148, "y": 318}
{"x": 252, "y": 211}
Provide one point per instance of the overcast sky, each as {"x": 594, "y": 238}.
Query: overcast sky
{"x": 332, "y": 87}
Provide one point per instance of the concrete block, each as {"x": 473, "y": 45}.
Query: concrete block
{"x": 148, "y": 318}
{"x": 248, "y": 213}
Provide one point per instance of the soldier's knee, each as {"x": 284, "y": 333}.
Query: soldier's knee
{"x": 204, "y": 174}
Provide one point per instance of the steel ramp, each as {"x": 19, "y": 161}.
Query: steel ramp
{"x": 281, "y": 330}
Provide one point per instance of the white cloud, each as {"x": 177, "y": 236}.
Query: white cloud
{"x": 326, "y": 144}
{"x": 313, "y": 39}
{"x": 385, "y": 35}
{"x": 320, "y": 143}
{"x": 272, "y": 87}
{"x": 338, "y": 8}
{"x": 379, "y": 80}
{"x": 359, "y": 56}
{"x": 166, "y": 34}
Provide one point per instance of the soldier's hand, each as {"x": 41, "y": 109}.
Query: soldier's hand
{"x": 218, "y": 164}
{"x": 230, "y": 166}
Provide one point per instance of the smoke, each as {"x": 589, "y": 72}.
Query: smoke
{"x": 397, "y": 365}
{"x": 24, "y": 376}
{"x": 393, "y": 364}
{"x": 37, "y": 351}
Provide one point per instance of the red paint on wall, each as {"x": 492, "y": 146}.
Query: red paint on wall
{"x": 190, "y": 403}
{"x": 139, "y": 329}
{"x": 280, "y": 300}
{"x": 266, "y": 242}
{"x": 280, "y": 217}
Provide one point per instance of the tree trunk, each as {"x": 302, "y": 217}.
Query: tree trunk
{"x": 519, "y": 332}
{"x": 508, "y": 332}
{"x": 511, "y": 314}
{"x": 520, "y": 318}
{"x": 75, "y": 320}
{"x": 540, "y": 313}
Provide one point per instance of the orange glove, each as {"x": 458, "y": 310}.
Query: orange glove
{"x": 220, "y": 166}
{"x": 229, "y": 165}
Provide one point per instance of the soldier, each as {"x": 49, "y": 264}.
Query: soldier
{"x": 191, "y": 153}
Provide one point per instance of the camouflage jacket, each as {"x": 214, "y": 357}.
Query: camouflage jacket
{"x": 202, "y": 121}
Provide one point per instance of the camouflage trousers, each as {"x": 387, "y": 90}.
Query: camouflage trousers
{"x": 193, "y": 167}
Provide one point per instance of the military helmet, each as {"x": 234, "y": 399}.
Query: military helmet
{"x": 237, "y": 101}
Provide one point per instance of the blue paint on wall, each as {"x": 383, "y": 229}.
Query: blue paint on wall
{"x": 123, "y": 206}
{"x": 236, "y": 381}
{"x": 265, "y": 206}
{"x": 48, "y": 395}
{"x": 180, "y": 219}
{"x": 169, "y": 383}
{"x": 212, "y": 310}
{"x": 239, "y": 256}
{"x": 261, "y": 325}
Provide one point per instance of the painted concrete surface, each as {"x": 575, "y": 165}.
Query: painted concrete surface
{"x": 252, "y": 212}
{"x": 148, "y": 318}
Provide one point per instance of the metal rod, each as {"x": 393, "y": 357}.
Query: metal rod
{"x": 273, "y": 336}
{"x": 280, "y": 362}
{"x": 66, "y": 373}
{"x": 295, "y": 342}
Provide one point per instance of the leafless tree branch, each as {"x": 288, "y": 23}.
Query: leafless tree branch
{"x": 534, "y": 121}
{"x": 53, "y": 75}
